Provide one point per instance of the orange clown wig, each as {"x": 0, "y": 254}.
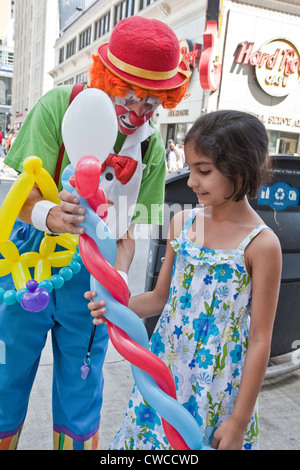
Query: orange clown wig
{"x": 101, "y": 77}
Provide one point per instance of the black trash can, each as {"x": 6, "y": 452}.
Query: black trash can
{"x": 279, "y": 206}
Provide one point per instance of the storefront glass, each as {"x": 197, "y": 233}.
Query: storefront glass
{"x": 5, "y": 90}
{"x": 2, "y": 123}
{"x": 287, "y": 143}
{"x": 272, "y": 141}
{"x": 177, "y": 132}
{"x": 282, "y": 142}
{"x": 181, "y": 131}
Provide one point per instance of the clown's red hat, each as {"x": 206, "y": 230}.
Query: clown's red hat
{"x": 145, "y": 53}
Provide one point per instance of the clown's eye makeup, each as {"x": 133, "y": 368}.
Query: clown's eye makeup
{"x": 153, "y": 102}
{"x": 131, "y": 99}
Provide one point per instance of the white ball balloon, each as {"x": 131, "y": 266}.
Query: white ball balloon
{"x": 90, "y": 126}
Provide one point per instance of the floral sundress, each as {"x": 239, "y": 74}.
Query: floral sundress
{"x": 202, "y": 336}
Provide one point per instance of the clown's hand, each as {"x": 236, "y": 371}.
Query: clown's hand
{"x": 68, "y": 215}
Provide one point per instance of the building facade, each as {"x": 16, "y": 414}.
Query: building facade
{"x": 246, "y": 57}
{"x": 254, "y": 49}
{"x": 82, "y": 29}
{"x": 36, "y": 29}
{"x": 6, "y": 63}
{"x": 261, "y": 69}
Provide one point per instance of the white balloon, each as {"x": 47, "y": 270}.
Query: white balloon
{"x": 90, "y": 126}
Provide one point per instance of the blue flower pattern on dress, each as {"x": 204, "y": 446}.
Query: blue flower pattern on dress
{"x": 202, "y": 336}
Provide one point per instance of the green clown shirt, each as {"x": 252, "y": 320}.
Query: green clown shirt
{"x": 41, "y": 136}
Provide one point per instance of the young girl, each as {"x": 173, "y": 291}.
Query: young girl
{"x": 222, "y": 265}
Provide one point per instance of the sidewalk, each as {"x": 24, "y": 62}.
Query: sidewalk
{"x": 279, "y": 407}
{"x": 7, "y": 173}
{"x": 279, "y": 400}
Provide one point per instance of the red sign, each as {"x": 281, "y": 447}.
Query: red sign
{"x": 210, "y": 71}
{"x": 191, "y": 56}
{"x": 203, "y": 57}
{"x": 288, "y": 62}
{"x": 277, "y": 65}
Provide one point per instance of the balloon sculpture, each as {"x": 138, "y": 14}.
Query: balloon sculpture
{"x": 97, "y": 247}
{"x": 91, "y": 115}
{"x": 34, "y": 294}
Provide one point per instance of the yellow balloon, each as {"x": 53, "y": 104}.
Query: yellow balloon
{"x": 9, "y": 251}
{"x": 47, "y": 246}
{"x": 47, "y": 186}
{"x": 42, "y": 270}
{"x": 68, "y": 241}
{"x": 60, "y": 259}
{"x": 32, "y": 164}
{"x": 20, "y": 274}
{"x": 5, "y": 267}
{"x": 30, "y": 259}
{"x": 13, "y": 203}
{"x": 14, "y": 263}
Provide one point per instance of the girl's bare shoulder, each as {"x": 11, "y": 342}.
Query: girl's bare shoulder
{"x": 264, "y": 247}
{"x": 180, "y": 218}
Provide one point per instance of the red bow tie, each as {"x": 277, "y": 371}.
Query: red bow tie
{"x": 124, "y": 167}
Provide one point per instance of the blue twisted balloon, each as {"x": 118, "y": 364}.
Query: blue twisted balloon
{"x": 127, "y": 331}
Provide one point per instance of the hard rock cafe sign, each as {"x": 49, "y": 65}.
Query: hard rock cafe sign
{"x": 276, "y": 64}
{"x": 205, "y": 56}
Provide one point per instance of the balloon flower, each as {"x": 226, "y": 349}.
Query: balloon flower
{"x": 34, "y": 292}
{"x": 98, "y": 247}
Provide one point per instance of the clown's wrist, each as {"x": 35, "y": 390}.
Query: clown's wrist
{"x": 40, "y": 213}
{"x": 124, "y": 276}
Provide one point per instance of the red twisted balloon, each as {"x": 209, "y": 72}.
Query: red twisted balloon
{"x": 87, "y": 175}
{"x": 110, "y": 279}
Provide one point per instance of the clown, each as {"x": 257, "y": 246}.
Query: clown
{"x": 139, "y": 69}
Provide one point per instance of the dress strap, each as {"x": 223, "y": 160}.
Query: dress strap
{"x": 252, "y": 235}
{"x": 190, "y": 219}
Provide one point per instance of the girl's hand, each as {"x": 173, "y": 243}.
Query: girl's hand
{"x": 97, "y": 308}
{"x": 229, "y": 435}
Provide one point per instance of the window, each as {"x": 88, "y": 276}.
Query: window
{"x": 71, "y": 48}
{"x": 5, "y": 91}
{"x": 81, "y": 78}
{"x": 70, "y": 81}
{"x": 123, "y": 10}
{"x": 282, "y": 142}
{"x": 61, "y": 55}
{"x": 6, "y": 58}
{"x": 102, "y": 26}
{"x": 145, "y": 3}
{"x": 176, "y": 132}
{"x": 85, "y": 38}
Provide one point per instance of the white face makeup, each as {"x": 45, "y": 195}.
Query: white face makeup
{"x": 133, "y": 112}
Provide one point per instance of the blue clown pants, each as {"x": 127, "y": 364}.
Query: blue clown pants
{"x": 76, "y": 402}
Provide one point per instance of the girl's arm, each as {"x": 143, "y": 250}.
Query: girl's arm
{"x": 149, "y": 303}
{"x": 264, "y": 257}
